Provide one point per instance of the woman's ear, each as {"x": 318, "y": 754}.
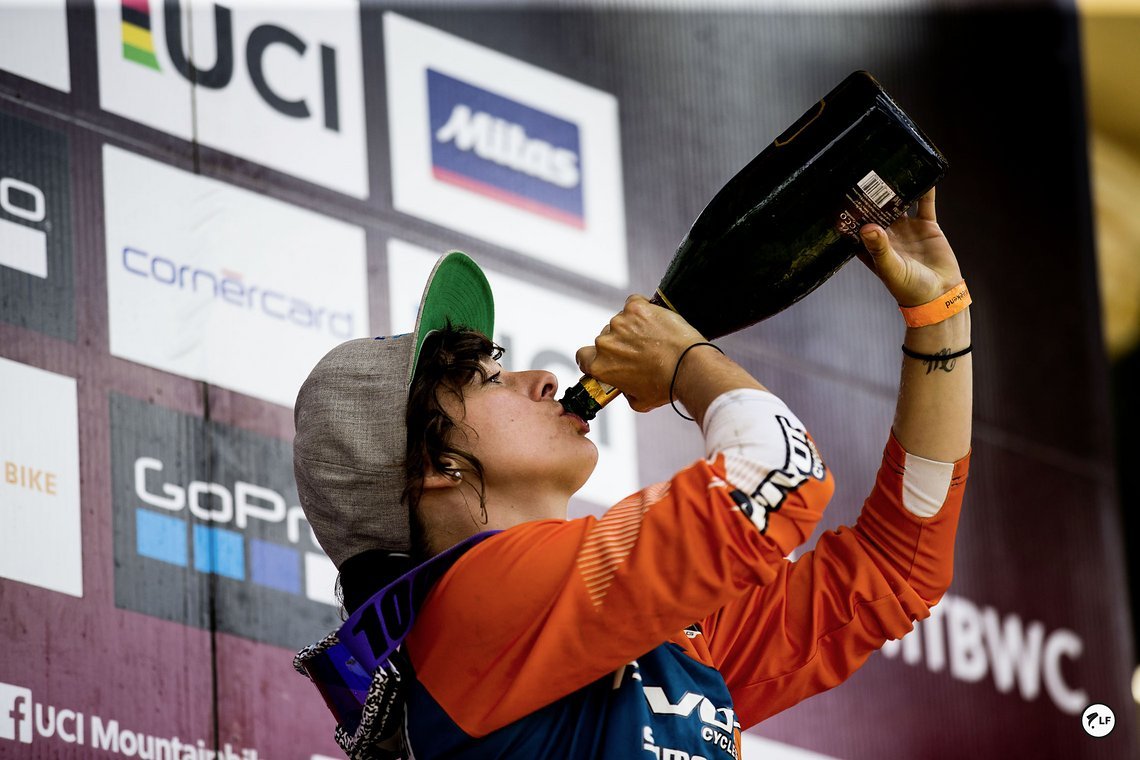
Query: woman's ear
{"x": 449, "y": 477}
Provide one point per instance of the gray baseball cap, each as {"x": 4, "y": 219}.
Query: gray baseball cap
{"x": 348, "y": 454}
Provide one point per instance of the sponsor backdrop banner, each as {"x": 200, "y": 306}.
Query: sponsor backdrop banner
{"x": 33, "y": 42}
{"x": 212, "y": 511}
{"x": 36, "y": 287}
{"x": 237, "y": 289}
{"x": 493, "y": 146}
{"x": 279, "y": 84}
{"x": 199, "y": 198}
{"x": 39, "y": 495}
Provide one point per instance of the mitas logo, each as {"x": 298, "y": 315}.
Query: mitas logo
{"x": 139, "y": 47}
{"x": 505, "y": 150}
{"x": 498, "y": 148}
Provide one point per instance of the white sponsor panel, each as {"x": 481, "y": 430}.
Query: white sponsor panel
{"x": 320, "y": 579}
{"x": 512, "y": 154}
{"x": 223, "y": 285}
{"x": 280, "y": 84}
{"x": 23, "y": 248}
{"x": 540, "y": 330}
{"x": 33, "y": 42}
{"x": 40, "y": 542}
{"x": 758, "y": 746}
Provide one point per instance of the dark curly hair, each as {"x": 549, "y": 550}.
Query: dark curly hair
{"x": 450, "y": 359}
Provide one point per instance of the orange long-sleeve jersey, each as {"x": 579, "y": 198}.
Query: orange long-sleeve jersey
{"x": 675, "y": 620}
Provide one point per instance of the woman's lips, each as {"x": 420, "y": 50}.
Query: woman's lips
{"x": 583, "y": 426}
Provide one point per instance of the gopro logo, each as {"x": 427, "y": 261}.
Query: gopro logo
{"x": 15, "y": 713}
{"x": 505, "y": 150}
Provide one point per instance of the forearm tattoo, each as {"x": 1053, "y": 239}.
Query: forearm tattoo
{"x": 940, "y": 360}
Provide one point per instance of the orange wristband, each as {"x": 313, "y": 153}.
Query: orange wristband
{"x": 945, "y": 306}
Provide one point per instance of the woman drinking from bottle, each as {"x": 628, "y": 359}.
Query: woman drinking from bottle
{"x": 673, "y": 621}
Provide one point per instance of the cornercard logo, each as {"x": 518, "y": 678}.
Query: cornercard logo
{"x": 195, "y": 500}
{"x": 35, "y": 228}
{"x": 542, "y": 340}
{"x": 236, "y": 289}
{"x": 505, "y": 151}
{"x": 290, "y": 75}
{"x": 33, "y": 42}
{"x": 40, "y": 542}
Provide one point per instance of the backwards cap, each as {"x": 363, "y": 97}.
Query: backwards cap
{"x": 348, "y": 454}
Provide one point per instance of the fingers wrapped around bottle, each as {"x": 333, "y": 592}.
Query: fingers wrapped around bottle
{"x": 913, "y": 257}
{"x": 637, "y": 351}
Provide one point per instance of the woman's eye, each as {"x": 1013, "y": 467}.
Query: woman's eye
{"x": 496, "y": 378}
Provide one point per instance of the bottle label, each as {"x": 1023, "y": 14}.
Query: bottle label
{"x": 871, "y": 200}
{"x": 601, "y": 392}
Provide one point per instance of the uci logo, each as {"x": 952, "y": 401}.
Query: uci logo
{"x": 138, "y": 46}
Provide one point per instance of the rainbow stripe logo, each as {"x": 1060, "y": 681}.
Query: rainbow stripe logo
{"x": 138, "y": 42}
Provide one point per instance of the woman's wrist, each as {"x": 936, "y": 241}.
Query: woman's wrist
{"x": 705, "y": 374}
{"x": 952, "y": 334}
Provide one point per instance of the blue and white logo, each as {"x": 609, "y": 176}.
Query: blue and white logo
{"x": 220, "y": 284}
{"x": 505, "y": 150}
{"x": 212, "y": 510}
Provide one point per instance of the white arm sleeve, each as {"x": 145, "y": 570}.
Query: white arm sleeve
{"x": 767, "y": 454}
{"x": 764, "y": 444}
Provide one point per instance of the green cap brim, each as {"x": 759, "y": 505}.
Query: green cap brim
{"x": 457, "y": 292}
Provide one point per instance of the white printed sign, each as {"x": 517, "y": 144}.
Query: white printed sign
{"x": 33, "y": 42}
{"x": 505, "y": 151}
{"x": 224, "y": 285}
{"x": 40, "y": 542}
{"x": 540, "y": 329}
{"x": 280, "y": 84}
{"x": 23, "y": 248}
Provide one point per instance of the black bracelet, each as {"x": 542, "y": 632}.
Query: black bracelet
{"x": 937, "y": 357}
{"x": 677, "y": 371}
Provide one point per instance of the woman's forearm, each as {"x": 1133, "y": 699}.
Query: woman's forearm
{"x": 933, "y": 415}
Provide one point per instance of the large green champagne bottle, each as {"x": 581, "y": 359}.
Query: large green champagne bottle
{"x": 790, "y": 218}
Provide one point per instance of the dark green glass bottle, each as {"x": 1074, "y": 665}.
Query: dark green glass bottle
{"x": 790, "y": 218}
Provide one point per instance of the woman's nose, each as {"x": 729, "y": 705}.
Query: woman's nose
{"x": 539, "y": 383}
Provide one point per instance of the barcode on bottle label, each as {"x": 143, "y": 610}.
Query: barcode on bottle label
{"x": 878, "y": 191}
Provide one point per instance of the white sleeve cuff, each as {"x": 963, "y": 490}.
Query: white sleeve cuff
{"x": 925, "y": 485}
{"x": 765, "y": 446}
